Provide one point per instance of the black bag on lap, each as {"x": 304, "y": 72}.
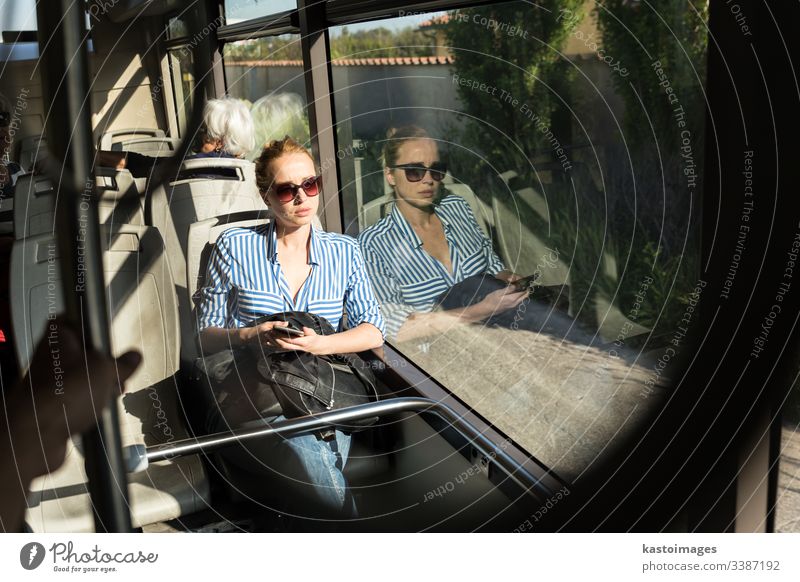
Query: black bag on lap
{"x": 248, "y": 385}
{"x": 308, "y": 384}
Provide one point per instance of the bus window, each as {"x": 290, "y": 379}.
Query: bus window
{"x": 238, "y": 10}
{"x": 267, "y": 73}
{"x": 532, "y": 142}
{"x": 182, "y": 69}
{"x": 177, "y": 28}
{"x": 786, "y": 510}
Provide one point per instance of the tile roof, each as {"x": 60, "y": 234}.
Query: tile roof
{"x": 436, "y": 20}
{"x": 360, "y": 62}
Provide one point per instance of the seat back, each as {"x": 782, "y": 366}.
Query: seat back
{"x": 520, "y": 247}
{"x": 175, "y": 207}
{"x": 31, "y": 149}
{"x": 109, "y": 138}
{"x": 34, "y": 207}
{"x": 157, "y": 147}
{"x": 138, "y": 286}
{"x": 144, "y": 316}
{"x": 119, "y": 201}
{"x": 6, "y": 216}
{"x": 202, "y": 236}
{"x": 483, "y": 214}
{"x": 374, "y": 210}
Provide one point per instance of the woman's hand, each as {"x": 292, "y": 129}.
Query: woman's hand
{"x": 495, "y": 302}
{"x": 265, "y": 336}
{"x": 262, "y": 336}
{"x": 310, "y": 342}
{"x": 507, "y": 276}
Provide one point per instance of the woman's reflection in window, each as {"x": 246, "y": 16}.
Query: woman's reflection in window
{"x": 429, "y": 254}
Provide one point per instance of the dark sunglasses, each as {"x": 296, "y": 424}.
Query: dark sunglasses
{"x": 5, "y": 119}
{"x": 416, "y": 171}
{"x": 288, "y": 191}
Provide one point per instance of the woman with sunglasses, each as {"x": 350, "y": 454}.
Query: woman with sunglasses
{"x": 290, "y": 265}
{"x": 429, "y": 243}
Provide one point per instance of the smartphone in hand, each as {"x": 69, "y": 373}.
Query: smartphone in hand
{"x": 526, "y": 283}
{"x": 287, "y": 330}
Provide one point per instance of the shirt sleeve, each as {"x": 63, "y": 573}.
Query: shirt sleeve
{"x": 217, "y": 289}
{"x": 494, "y": 264}
{"x": 360, "y": 302}
{"x": 388, "y": 291}
{"x": 139, "y": 165}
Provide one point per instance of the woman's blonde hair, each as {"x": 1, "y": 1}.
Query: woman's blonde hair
{"x": 396, "y": 137}
{"x": 265, "y": 175}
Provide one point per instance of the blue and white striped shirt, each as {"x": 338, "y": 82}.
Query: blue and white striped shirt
{"x": 405, "y": 277}
{"x": 244, "y": 281}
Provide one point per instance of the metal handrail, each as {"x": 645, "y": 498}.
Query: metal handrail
{"x": 140, "y": 457}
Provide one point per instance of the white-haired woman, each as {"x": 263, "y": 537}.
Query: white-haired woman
{"x": 227, "y": 132}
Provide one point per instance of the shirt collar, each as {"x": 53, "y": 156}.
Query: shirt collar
{"x": 408, "y": 231}
{"x": 314, "y": 253}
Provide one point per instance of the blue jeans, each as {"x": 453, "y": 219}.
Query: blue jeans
{"x": 308, "y": 468}
{"x": 317, "y": 464}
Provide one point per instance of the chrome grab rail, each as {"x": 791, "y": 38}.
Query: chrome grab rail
{"x": 140, "y": 457}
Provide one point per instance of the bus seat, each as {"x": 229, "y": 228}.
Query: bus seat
{"x": 535, "y": 200}
{"x": 60, "y": 502}
{"x": 173, "y": 208}
{"x": 31, "y": 149}
{"x": 119, "y": 201}
{"x": 201, "y": 238}
{"x": 34, "y": 207}
{"x": 522, "y": 251}
{"x": 6, "y": 216}
{"x": 144, "y": 317}
{"x": 479, "y": 208}
{"x": 109, "y": 138}
{"x": 374, "y": 210}
{"x": 157, "y": 147}
{"x": 611, "y": 321}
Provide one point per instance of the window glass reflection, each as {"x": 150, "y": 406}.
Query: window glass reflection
{"x": 572, "y": 139}
{"x": 181, "y": 64}
{"x": 267, "y": 73}
{"x": 239, "y": 10}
